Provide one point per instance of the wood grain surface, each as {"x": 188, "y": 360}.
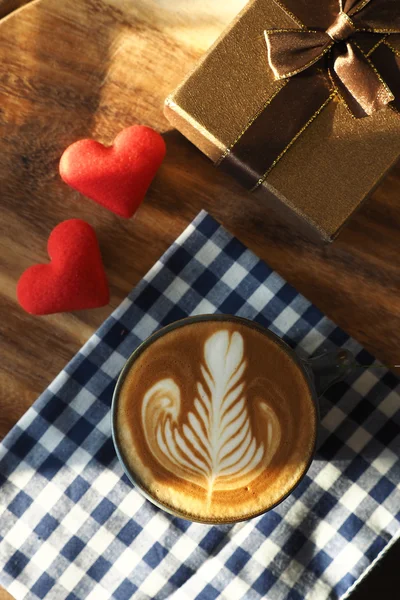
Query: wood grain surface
{"x": 88, "y": 68}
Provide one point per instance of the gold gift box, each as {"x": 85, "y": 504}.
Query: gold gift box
{"x": 331, "y": 168}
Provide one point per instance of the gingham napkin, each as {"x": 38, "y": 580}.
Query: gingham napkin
{"x": 72, "y": 527}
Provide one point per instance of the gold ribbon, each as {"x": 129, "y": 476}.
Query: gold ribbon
{"x": 348, "y": 54}
{"x": 292, "y": 51}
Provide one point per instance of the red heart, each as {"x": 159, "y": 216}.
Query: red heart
{"x": 75, "y": 278}
{"x": 117, "y": 177}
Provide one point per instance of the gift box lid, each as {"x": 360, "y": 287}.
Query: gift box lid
{"x": 329, "y": 170}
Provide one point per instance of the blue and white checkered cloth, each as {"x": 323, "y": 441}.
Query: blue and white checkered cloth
{"x": 72, "y": 527}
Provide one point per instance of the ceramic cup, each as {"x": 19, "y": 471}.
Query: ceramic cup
{"x": 321, "y": 372}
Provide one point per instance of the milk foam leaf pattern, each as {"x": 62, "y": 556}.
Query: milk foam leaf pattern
{"x": 214, "y": 441}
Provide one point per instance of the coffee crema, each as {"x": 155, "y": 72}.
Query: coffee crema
{"x": 216, "y": 421}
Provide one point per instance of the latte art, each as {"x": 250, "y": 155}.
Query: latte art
{"x": 215, "y": 421}
{"x": 216, "y": 445}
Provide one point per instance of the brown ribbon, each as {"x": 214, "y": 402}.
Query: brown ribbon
{"x": 291, "y": 51}
{"x": 353, "y": 37}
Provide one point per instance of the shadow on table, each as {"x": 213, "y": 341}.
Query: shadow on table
{"x": 8, "y": 6}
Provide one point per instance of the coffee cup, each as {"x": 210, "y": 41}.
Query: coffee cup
{"x": 215, "y": 418}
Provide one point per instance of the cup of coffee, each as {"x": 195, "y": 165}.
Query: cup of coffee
{"x": 215, "y": 418}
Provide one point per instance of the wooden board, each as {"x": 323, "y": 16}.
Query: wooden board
{"x": 81, "y": 68}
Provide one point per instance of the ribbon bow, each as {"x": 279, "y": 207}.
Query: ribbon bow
{"x": 291, "y": 51}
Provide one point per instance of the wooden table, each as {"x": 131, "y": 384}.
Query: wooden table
{"x": 88, "y": 68}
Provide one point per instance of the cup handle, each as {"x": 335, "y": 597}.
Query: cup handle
{"x": 330, "y": 368}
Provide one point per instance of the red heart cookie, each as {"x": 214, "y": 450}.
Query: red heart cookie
{"x": 75, "y": 278}
{"x": 117, "y": 177}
